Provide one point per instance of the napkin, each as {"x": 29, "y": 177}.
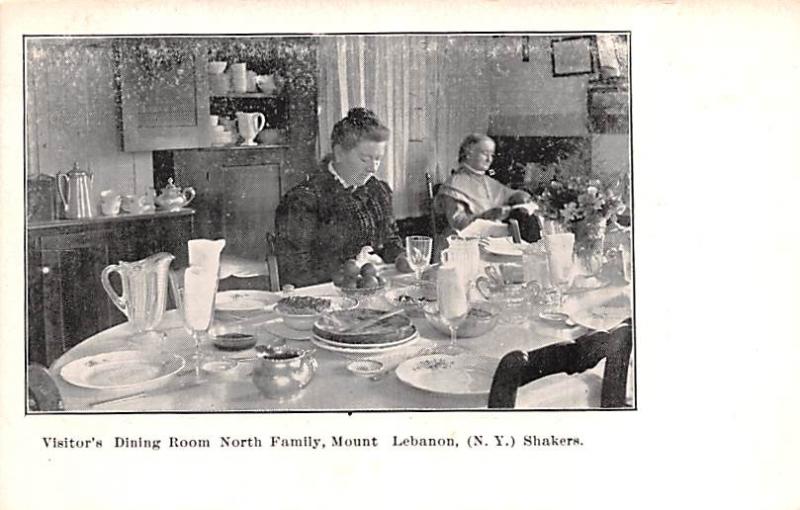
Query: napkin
{"x": 204, "y": 253}
{"x": 484, "y": 228}
{"x": 198, "y": 297}
{"x": 559, "y": 254}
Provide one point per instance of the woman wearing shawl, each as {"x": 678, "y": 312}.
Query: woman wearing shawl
{"x": 470, "y": 194}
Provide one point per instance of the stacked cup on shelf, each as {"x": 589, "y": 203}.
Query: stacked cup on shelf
{"x": 218, "y": 80}
{"x": 220, "y": 134}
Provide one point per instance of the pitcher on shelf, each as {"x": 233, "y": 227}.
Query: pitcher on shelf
{"x": 250, "y": 124}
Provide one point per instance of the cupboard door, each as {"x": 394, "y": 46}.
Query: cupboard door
{"x": 75, "y": 306}
{"x": 251, "y": 196}
{"x": 164, "y": 93}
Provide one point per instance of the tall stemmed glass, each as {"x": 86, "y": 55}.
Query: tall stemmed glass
{"x": 418, "y": 254}
{"x": 195, "y": 290}
{"x": 560, "y": 261}
{"x": 453, "y": 301}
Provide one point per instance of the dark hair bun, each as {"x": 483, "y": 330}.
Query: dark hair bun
{"x": 360, "y": 114}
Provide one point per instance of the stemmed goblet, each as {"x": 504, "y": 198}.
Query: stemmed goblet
{"x": 194, "y": 290}
{"x": 418, "y": 254}
{"x": 453, "y": 302}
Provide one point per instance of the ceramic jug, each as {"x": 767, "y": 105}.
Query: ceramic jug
{"x": 144, "y": 290}
{"x": 250, "y": 124}
{"x": 77, "y": 198}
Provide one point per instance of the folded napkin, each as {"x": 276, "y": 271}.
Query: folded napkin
{"x": 484, "y": 228}
{"x": 204, "y": 253}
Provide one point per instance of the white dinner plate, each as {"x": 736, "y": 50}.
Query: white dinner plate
{"x": 502, "y": 246}
{"x": 245, "y": 300}
{"x": 601, "y": 318}
{"x": 449, "y": 375}
{"x": 123, "y": 370}
{"x": 372, "y": 349}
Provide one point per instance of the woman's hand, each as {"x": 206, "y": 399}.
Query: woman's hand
{"x": 519, "y": 197}
{"x": 496, "y": 213}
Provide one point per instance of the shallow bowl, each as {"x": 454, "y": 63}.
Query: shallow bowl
{"x": 482, "y": 318}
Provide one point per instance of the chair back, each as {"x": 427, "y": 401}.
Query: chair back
{"x": 517, "y": 368}
{"x": 43, "y": 394}
{"x": 272, "y": 263}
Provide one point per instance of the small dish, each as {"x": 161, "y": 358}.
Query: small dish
{"x": 555, "y": 317}
{"x": 234, "y": 341}
{"x": 365, "y": 367}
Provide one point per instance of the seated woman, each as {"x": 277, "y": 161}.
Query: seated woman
{"x": 340, "y": 209}
{"x": 470, "y": 194}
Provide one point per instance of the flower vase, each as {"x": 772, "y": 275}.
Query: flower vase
{"x": 590, "y": 235}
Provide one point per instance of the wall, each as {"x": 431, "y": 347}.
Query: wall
{"x": 72, "y": 115}
{"x": 526, "y": 98}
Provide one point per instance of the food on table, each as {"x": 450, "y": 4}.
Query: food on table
{"x": 303, "y": 305}
{"x": 352, "y": 276}
{"x": 402, "y": 265}
{"x": 335, "y": 327}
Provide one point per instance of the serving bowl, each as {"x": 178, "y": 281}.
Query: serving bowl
{"x": 481, "y": 319}
{"x": 304, "y": 320}
{"x": 412, "y": 298}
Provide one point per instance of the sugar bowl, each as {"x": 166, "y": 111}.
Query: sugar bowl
{"x": 281, "y": 373}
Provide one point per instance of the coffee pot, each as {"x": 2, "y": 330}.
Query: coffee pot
{"x": 77, "y": 198}
{"x": 144, "y": 290}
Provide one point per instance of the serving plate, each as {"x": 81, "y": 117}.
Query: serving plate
{"x": 245, "y": 300}
{"x": 502, "y": 246}
{"x": 601, "y": 318}
{"x": 372, "y": 349}
{"x": 449, "y": 375}
{"x": 334, "y": 327}
{"x": 123, "y": 370}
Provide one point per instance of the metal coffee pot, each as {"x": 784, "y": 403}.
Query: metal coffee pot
{"x": 77, "y": 198}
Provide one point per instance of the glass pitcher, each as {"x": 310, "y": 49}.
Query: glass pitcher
{"x": 144, "y": 290}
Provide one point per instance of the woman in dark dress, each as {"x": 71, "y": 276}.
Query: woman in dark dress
{"x": 340, "y": 209}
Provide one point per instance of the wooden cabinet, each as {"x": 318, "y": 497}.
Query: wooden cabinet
{"x": 163, "y": 86}
{"x": 238, "y": 191}
{"x": 66, "y": 301}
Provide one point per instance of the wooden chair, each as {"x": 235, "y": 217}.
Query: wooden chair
{"x": 43, "y": 394}
{"x": 517, "y": 368}
{"x": 239, "y": 273}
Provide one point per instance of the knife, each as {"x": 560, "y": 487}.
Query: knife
{"x": 364, "y": 325}
{"x": 515, "y": 234}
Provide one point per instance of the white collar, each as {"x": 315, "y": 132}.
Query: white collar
{"x": 333, "y": 172}
{"x": 476, "y": 172}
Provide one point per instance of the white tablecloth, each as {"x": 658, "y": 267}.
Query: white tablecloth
{"x": 333, "y": 387}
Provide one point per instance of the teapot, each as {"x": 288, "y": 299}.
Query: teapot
{"x": 144, "y": 290}
{"x": 78, "y": 197}
{"x": 173, "y": 198}
{"x": 281, "y": 373}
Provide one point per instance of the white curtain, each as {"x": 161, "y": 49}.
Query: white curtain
{"x": 430, "y": 91}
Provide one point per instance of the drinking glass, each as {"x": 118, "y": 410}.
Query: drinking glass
{"x": 194, "y": 292}
{"x": 453, "y": 301}
{"x": 418, "y": 253}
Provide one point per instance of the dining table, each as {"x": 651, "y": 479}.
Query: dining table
{"x": 334, "y": 387}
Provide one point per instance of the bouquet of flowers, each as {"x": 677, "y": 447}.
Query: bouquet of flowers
{"x": 583, "y": 206}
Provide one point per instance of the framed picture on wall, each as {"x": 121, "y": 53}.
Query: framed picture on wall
{"x": 573, "y": 55}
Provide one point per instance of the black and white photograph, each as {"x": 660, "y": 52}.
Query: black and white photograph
{"x": 374, "y": 254}
{"x": 329, "y": 222}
